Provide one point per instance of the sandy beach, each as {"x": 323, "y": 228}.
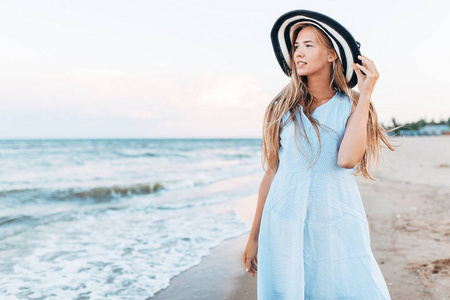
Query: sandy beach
{"x": 408, "y": 210}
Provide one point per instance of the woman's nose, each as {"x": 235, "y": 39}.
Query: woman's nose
{"x": 298, "y": 52}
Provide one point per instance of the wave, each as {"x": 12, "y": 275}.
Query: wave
{"x": 108, "y": 193}
{"x": 97, "y": 194}
{"x": 151, "y": 154}
{"x": 13, "y": 219}
{"x": 138, "y": 154}
{"x": 236, "y": 156}
{"x": 118, "y": 191}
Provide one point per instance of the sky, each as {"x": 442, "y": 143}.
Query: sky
{"x": 196, "y": 69}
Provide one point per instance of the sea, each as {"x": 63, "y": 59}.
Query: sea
{"x": 116, "y": 218}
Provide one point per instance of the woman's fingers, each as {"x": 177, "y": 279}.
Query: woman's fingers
{"x": 368, "y": 62}
{"x": 367, "y": 71}
{"x": 365, "y": 59}
{"x": 357, "y": 70}
{"x": 373, "y": 68}
{"x": 250, "y": 266}
{"x": 246, "y": 264}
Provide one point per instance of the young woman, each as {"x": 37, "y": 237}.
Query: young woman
{"x": 310, "y": 236}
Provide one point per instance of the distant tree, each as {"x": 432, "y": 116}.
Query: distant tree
{"x": 421, "y": 123}
{"x": 412, "y": 125}
{"x": 395, "y": 123}
{"x": 398, "y": 128}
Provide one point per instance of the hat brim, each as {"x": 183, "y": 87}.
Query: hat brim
{"x": 345, "y": 45}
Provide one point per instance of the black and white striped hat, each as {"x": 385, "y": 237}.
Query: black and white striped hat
{"x": 345, "y": 45}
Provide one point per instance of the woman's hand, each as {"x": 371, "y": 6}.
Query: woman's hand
{"x": 366, "y": 83}
{"x": 250, "y": 258}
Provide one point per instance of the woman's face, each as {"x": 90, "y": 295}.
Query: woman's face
{"x": 314, "y": 56}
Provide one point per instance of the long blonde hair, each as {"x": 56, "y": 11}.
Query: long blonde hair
{"x": 297, "y": 93}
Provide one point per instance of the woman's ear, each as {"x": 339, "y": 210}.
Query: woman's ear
{"x": 332, "y": 56}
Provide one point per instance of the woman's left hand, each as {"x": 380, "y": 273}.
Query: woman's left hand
{"x": 366, "y": 83}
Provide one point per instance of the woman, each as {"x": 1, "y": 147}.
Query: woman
{"x": 310, "y": 236}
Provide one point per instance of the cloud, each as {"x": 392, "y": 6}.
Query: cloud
{"x": 229, "y": 90}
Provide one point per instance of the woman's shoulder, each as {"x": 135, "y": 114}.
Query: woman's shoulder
{"x": 342, "y": 107}
{"x": 344, "y": 98}
{"x": 344, "y": 101}
{"x": 285, "y": 115}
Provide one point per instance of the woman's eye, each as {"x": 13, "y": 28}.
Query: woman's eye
{"x": 295, "y": 47}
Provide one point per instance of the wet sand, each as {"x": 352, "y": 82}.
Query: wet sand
{"x": 408, "y": 210}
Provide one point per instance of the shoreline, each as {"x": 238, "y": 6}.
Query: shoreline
{"x": 409, "y": 221}
{"x": 222, "y": 269}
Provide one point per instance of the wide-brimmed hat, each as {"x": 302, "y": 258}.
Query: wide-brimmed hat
{"x": 345, "y": 45}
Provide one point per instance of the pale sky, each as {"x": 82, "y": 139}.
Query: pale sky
{"x": 196, "y": 69}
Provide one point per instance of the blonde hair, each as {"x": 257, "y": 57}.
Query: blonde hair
{"x": 297, "y": 93}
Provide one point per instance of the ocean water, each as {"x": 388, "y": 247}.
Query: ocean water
{"x": 116, "y": 218}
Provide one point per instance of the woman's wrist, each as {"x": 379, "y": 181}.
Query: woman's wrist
{"x": 254, "y": 237}
{"x": 365, "y": 97}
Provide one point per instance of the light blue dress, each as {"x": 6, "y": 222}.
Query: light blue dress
{"x": 314, "y": 240}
